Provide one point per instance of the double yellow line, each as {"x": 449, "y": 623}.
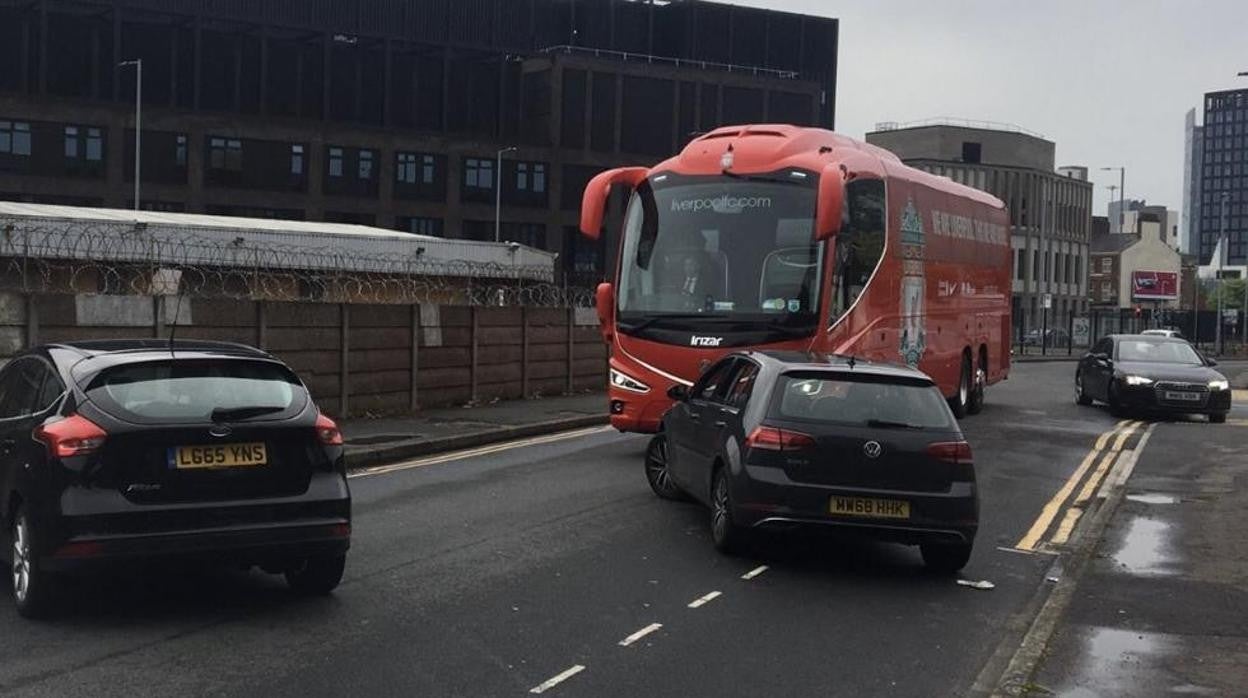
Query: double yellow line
{"x": 1108, "y": 453}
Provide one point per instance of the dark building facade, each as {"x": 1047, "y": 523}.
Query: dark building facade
{"x": 387, "y": 112}
{"x": 1224, "y": 171}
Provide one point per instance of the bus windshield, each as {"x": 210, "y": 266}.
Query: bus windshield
{"x": 725, "y": 246}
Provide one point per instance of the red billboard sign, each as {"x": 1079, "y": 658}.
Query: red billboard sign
{"x": 1154, "y": 285}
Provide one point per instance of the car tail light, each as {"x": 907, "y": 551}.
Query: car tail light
{"x": 956, "y": 452}
{"x": 327, "y": 431}
{"x": 73, "y": 436}
{"x": 774, "y": 439}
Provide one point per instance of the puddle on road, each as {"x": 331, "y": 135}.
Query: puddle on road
{"x": 1117, "y": 662}
{"x": 1153, "y": 498}
{"x": 1145, "y": 548}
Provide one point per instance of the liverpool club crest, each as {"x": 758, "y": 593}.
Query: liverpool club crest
{"x": 913, "y": 303}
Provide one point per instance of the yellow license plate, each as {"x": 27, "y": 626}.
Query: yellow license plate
{"x": 873, "y": 508}
{"x": 223, "y": 456}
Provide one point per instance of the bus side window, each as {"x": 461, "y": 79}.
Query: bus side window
{"x": 860, "y": 246}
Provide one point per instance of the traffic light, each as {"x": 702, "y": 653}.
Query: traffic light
{"x": 1138, "y": 311}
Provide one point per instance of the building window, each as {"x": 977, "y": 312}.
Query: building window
{"x": 478, "y": 173}
{"x": 1107, "y": 265}
{"x": 427, "y": 169}
{"x": 406, "y": 170}
{"x": 335, "y": 162}
{"x": 179, "y": 151}
{"x": 296, "y": 159}
{"x": 971, "y": 151}
{"x": 366, "y": 164}
{"x": 1107, "y": 290}
{"x": 95, "y": 144}
{"x": 420, "y": 225}
{"x": 15, "y": 137}
{"x": 1019, "y": 264}
{"x": 531, "y": 176}
{"x": 225, "y": 154}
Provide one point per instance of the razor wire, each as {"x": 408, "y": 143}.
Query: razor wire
{"x": 87, "y": 258}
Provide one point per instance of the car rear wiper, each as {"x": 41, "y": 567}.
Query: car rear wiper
{"x": 887, "y": 424}
{"x": 230, "y": 414}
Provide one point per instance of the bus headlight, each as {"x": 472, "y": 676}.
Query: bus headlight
{"x": 625, "y": 382}
{"x": 1220, "y": 385}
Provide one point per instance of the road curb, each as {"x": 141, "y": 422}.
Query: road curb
{"x": 369, "y": 456}
{"x": 1041, "y": 359}
{"x": 1068, "y": 569}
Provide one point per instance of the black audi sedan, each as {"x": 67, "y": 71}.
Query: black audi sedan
{"x": 117, "y": 450}
{"x": 1152, "y": 373}
{"x": 786, "y": 439}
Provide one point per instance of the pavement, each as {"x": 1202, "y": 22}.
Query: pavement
{"x": 545, "y": 563}
{"x": 1162, "y": 608}
{"x": 373, "y": 441}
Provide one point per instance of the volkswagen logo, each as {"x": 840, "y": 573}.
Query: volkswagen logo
{"x": 872, "y": 449}
{"x": 220, "y": 430}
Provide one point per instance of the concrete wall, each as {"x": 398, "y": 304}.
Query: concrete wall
{"x": 942, "y": 142}
{"x": 356, "y": 359}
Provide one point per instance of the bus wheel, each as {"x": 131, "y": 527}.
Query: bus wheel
{"x": 978, "y": 383}
{"x": 962, "y": 398}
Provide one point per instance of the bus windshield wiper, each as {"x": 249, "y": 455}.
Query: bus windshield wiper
{"x": 888, "y": 424}
{"x": 652, "y": 320}
{"x": 230, "y": 414}
{"x": 762, "y": 178}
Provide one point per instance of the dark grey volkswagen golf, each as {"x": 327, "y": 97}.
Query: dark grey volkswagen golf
{"x": 783, "y": 439}
{"x": 117, "y": 450}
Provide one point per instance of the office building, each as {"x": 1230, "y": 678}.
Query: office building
{"x": 1050, "y": 209}
{"x": 388, "y": 112}
{"x": 1193, "y": 161}
{"x": 1224, "y": 170}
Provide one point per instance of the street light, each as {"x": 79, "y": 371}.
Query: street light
{"x": 1122, "y": 194}
{"x": 138, "y": 123}
{"x": 498, "y": 190}
{"x": 1217, "y": 274}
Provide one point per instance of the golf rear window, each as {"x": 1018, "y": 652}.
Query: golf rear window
{"x": 861, "y": 401}
{"x": 182, "y": 391}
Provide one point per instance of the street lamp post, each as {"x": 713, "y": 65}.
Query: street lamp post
{"x": 1122, "y": 195}
{"x": 138, "y": 123}
{"x": 498, "y": 190}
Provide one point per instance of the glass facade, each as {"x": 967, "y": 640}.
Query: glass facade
{"x": 1224, "y": 176}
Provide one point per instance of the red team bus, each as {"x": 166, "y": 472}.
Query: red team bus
{"x": 780, "y": 237}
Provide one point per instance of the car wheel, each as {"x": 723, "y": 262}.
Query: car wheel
{"x": 725, "y": 534}
{"x": 944, "y": 558}
{"x": 317, "y": 575}
{"x": 978, "y": 386}
{"x": 33, "y": 589}
{"x": 657, "y": 472}
{"x": 1081, "y": 396}
{"x": 962, "y": 399}
{"x": 1217, "y": 418}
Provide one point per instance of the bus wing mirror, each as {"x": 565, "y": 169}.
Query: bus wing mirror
{"x": 831, "y": 204}
{"x": 604, "y": 303}
{"x": 594, "y": 200}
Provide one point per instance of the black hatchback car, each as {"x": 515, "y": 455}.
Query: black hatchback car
{"x": 783, "y": 439}
{"x": 117, "y": 450}
{"x": 1152, "y": 373}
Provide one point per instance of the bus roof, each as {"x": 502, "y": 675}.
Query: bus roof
{"x": 757, "y": 148}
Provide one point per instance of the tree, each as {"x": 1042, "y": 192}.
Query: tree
{"x": 1231, "y": 291}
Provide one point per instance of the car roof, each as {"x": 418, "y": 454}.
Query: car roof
{"x": 1147, "y": 337}
{"x": 818, "y": 361}
{"x": 98, "y": 347}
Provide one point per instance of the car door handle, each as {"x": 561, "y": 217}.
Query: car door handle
{"x": 720, "y": 424}
{"x": 8, "y": 445}
{"x": 695, "y": 417}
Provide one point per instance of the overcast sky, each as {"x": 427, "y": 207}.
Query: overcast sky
{"x": 1108, "y": 81}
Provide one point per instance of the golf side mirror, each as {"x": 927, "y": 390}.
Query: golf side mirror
{"x": 678, "y": 393}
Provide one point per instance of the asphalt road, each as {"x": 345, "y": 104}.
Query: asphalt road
{"x": 490, "y": 574}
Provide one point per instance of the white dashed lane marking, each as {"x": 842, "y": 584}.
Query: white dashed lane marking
{"x": 703, "y": 600}
{"x": 640, "y": 634}
{"x": 557, "y": 679}
{"x": 754, "y": 572}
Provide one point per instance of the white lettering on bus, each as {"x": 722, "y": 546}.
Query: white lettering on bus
{"x": 722, "y": 204}
{"x": 964, "y": 228}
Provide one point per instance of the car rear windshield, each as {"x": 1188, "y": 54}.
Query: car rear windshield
{"x": 861, "y": 400}
{"x": 192, "y": 391}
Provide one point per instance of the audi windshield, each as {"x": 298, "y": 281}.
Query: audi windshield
{"x": 732, "y": 251}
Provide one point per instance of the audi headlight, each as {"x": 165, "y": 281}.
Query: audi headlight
{"x": 1220, "y": 385}
{"x": 1138, "y": 380}
{"x": 626, "y": 382}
